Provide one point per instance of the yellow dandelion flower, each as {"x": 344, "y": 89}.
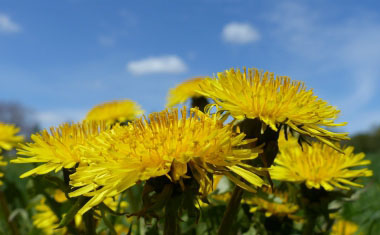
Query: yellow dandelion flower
{"x": 319, "y": 165}
{"x": 58, "y": 149}
{"x": 115, "y": 111}
{"x": 8, "y": 136}
{"x": 46, "y": 220}
{"x": 163, "y": 145}
{"x": 275, "y": 101}
{"x": 2, "y": 163}
{"x": 271, "y": 207}
{"x": 344, "y": 227}
{"x": 184, "y": 91}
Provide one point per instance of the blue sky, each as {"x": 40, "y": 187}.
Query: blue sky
{"x": 61, "y": 58}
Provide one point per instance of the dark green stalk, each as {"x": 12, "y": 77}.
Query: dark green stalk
{"x": 315, "y": 202}
{"x": 134, "y": 203}
{"x": 171, "y": 226}
{"x": 308, "y": 228}
{"x": 229, "y": 217}
{"x": 89, "y": 223}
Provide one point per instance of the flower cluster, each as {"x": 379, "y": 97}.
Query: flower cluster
{"x": 173, "y": 159}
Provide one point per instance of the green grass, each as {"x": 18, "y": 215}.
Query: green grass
{"x": 364, "y": 209}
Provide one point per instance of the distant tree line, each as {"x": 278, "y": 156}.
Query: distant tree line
{"x": 21, "y": 116}
{"x": 367, "y": 142}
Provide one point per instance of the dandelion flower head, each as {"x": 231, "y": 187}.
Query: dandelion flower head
{"x": 184, "y": 91}
{"x": 8, "y": 136}
{"x": 59, "y": 148}
{"x": 115, "y": 111}
{"x": 46, "y": 220}
{"x": 163, "y": 145}
{"x": 318, "y": 165}
{"x": 275, "y": 100}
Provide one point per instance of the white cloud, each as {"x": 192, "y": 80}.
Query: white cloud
{"x": 240, "y": 33}
{"x": 170, "y": 64}
{"x": 7, "y": 25}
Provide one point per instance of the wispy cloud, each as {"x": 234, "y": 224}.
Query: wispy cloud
{"x": 169, "y": 64}
{"x": 129, "y": 17}
{"x": 50, "y": 118}
{"x": 7, "y": 25}
{"x": 240, "y": 33}
{"x": 350, "y": 45}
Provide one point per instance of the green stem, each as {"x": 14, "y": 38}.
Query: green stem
{"x": 134, "y": 203}
{"x": 231, "y": 212}
{"x": 308, "y": 228}
{"x": 89, "y": 223}
{"x": 171, "y": 226}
